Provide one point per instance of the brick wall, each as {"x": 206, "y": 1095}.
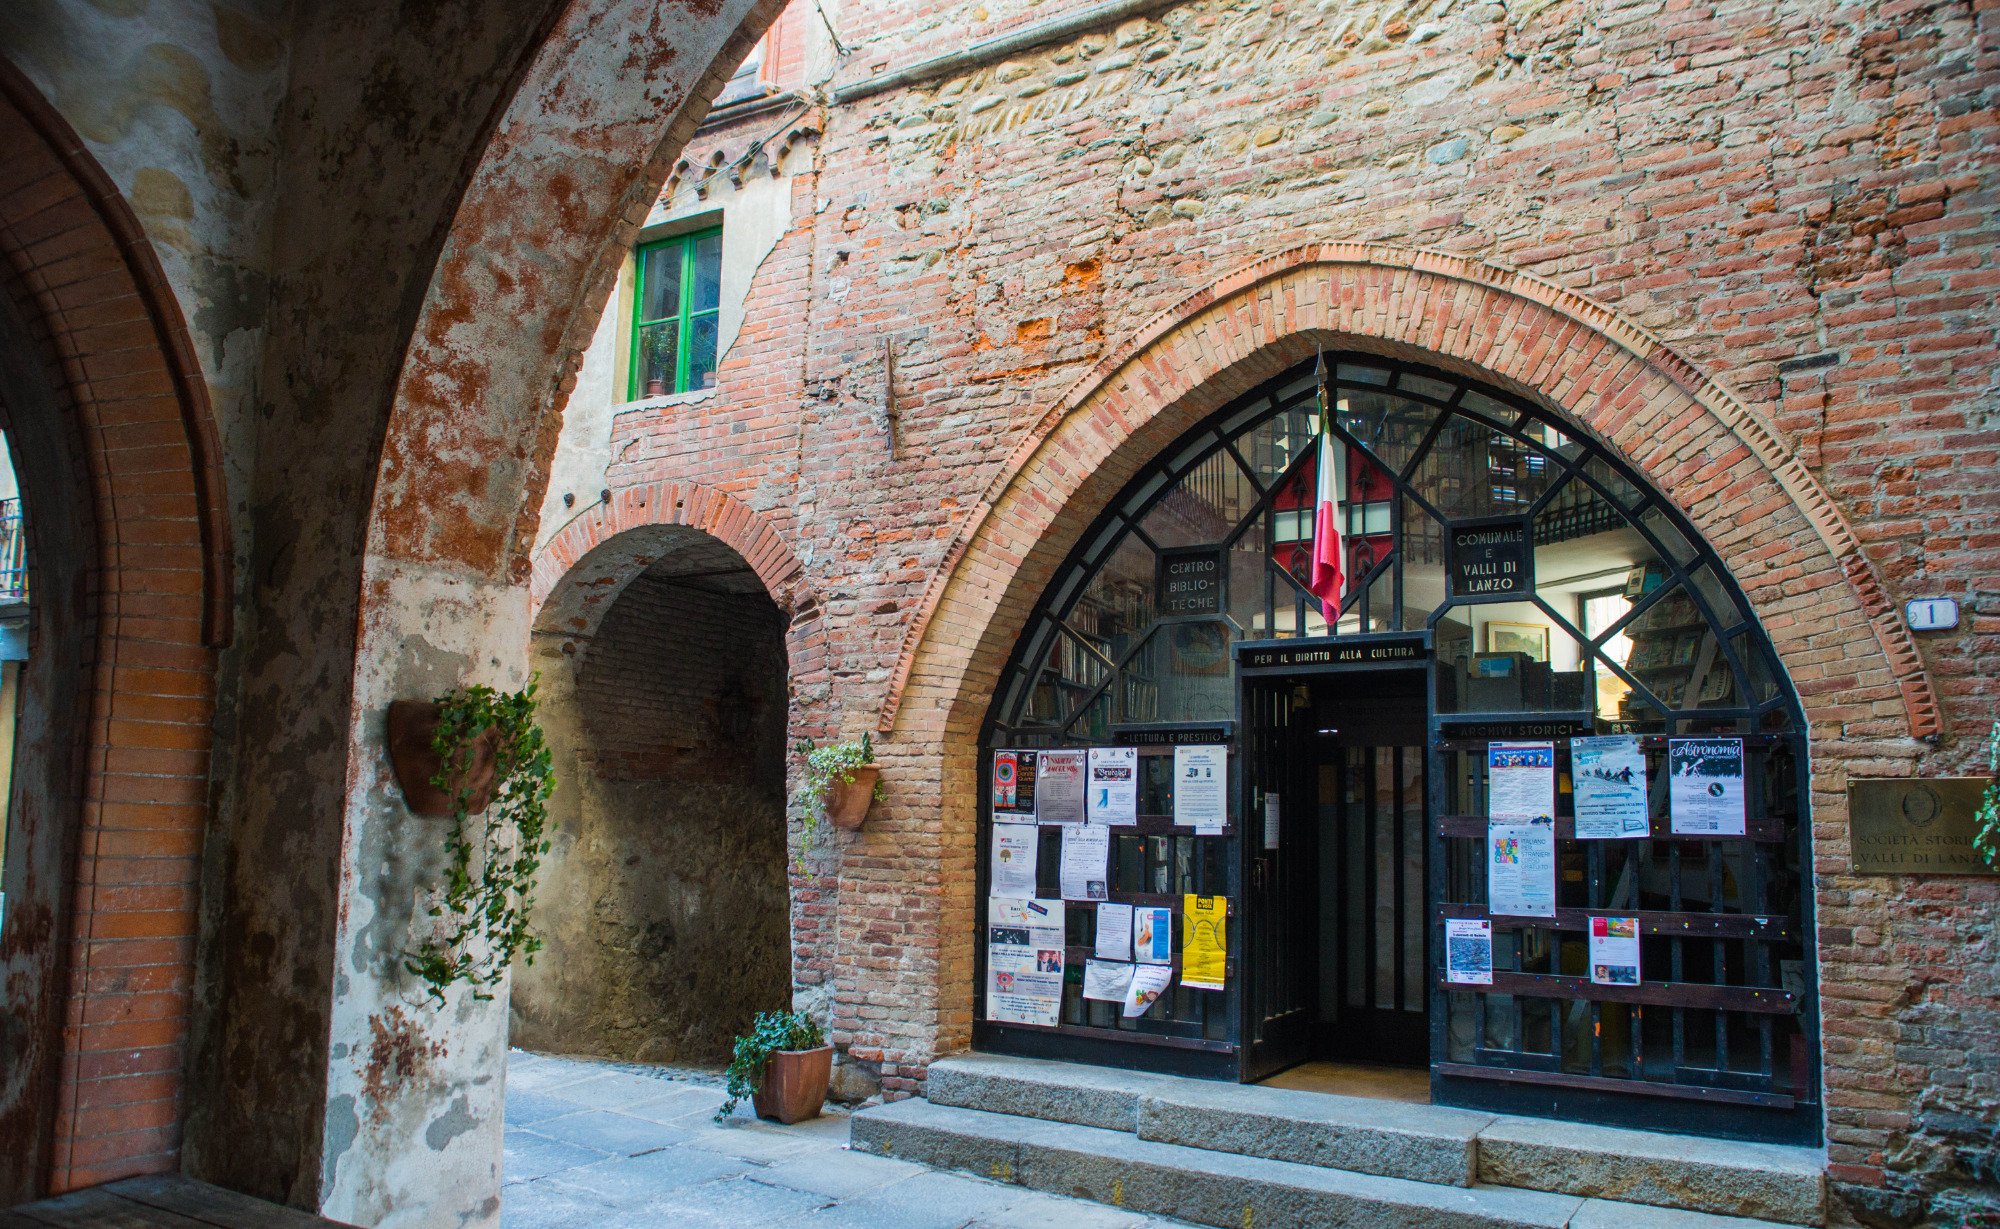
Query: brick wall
{"x": 1794, "y": 200}
{"x": 663, "y": 901}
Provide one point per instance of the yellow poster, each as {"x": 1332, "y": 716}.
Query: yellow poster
{"x": 1204, "y": 941}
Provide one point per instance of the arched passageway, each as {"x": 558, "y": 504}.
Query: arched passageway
{"x": 663, "y": 902}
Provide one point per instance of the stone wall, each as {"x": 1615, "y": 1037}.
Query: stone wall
{"x": 663, "y": 902}
{"x": 1792, "y": 200}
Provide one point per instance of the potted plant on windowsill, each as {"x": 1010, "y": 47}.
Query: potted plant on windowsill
{"x": 840, "y": 781}
{"x": 783, "y": 1065}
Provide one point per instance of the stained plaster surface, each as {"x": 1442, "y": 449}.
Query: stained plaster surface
{"x": 610, "y": 1145}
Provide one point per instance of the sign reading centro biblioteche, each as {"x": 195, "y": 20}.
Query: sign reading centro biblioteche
{"x": 1189, "y": 582}
{"x": 1490, "y": 558}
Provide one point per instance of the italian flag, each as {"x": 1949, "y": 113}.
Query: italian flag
{"x": 1328, "y": 583}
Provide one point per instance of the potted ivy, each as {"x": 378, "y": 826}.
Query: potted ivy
{"x": 486, "y": 759}
{"x": 840, "y": 781}
{"x": 783, "y": 1065}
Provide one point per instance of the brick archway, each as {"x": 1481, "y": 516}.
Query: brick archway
{"x": 580, "y": 571}
{"x": 1853, "y": 664}
{"x": 131, "y": 596}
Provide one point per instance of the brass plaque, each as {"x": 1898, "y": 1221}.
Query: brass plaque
{"x": 1914, "y": 825}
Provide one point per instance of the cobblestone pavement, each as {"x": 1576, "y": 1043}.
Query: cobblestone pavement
{"x": 613, "y": 1145}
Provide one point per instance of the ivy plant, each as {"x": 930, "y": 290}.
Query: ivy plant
{"x": 824, "y": 767}
{"x": 770, "y": 1032}
{"x": 1986, "y": 833}
{"x": 491, "y": 861}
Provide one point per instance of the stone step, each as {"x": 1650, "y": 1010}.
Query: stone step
{"x": 1419, "y": 1143}
{"x": 1224, "y": 1189}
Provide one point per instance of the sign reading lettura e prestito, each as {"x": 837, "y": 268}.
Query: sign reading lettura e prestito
{"x": 1189, "y": 582}
{"x": 1490, "y": 558}
{"x": 1914, "y": 825}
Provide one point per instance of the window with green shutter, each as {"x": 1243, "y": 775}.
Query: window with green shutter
{"x": 675, "y": 312}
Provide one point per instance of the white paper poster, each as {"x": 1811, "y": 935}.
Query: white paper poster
{"x": 1610, "y": 780}
{"x": 1086, "y": 852}
{"x": 1114, "y": 786}
{"x": 1614, "y": 951}
{"x": 1015, "y": 850}
{"x": 1521, "y": 781}
{"x": 1024, "y": 960}
{"x": 1149, "y": 982}
{"x": 1152, "y": 935}
{"x": 1059, "y": 786}
{"x": 1114, "y": 932}
{"x": 1521, "y": 869}
{"x": 1468, "y": 951}
{"x": 1705, "y": 786}
{"x": 1201, "y": 787}
{"x": 1107, "y": 979}
{"x": 1270, "y": 821}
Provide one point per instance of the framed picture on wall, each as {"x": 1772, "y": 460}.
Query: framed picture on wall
{"x": 1529, "y": 638}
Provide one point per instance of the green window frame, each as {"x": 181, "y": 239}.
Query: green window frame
{"x": 676, "y": 314}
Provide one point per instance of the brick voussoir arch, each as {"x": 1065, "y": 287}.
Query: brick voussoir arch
{"x": 716, "y": 513}
{"x": 1596, "y": 365}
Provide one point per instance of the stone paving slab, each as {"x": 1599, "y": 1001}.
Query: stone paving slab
{"x": 611, "y": 1146}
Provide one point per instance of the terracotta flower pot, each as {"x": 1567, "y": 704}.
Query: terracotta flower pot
{"x": 794, "y": 1084}
{"x": 847, "y": 801}
{"x": 656, "y": 388}
{"x": 411, "y": 725}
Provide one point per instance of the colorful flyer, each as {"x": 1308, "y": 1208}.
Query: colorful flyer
{"x": 1705, "y": 786}
{"x": 1520, "y": 781}
{"x": 1114, "y": 786}
{"x": 1201, "y": 788}
{"x": 1086, "y": 853}
{"x": 1204, "y": 942}
{"x": 1614, "y": 951}
{"x": 1152, "y": 935}
{"x": 1024, "y": 961}
{"x": 1059, "y": 786}
{"x": 1468, "y": 951}
{"x": 1521, "y": 868}
{"x": 1107, "y": 979}
{"x": 1114, "y": 932}
{"x": 1149, "y": 982}
{"x": 1610, "y": 780}
{"x": 1014, "y": 785}
{"x": 1015, "y": 850}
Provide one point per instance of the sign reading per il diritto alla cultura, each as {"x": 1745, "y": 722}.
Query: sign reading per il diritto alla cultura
{"x": 1914, "y": 825}
{"x": 1489, "y": 558}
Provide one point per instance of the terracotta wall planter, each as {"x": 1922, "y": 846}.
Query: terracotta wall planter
{"x": 411, "y": 725}
{"x": 794, "y": 1084}
{"x": 847, "y": 802}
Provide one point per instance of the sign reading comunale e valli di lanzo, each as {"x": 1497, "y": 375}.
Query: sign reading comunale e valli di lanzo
{"x": 1490, "y": 558}
{"x": 1914, "y": 826}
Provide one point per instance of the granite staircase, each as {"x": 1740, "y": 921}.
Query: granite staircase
{"x": 1247, "y": 1157}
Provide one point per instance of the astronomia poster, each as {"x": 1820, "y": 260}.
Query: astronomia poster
{"x": 1610, "y": 781}
{"x": 1024, "y": 961}
{"x": 1705, "y": 786}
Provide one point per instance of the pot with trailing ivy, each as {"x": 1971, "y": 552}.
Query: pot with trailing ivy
{"x": 475, "y": 755}
{"x": 840, "y": 782}
{"x": 783, "y": 1065}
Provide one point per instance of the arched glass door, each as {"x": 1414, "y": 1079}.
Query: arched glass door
{"x": 1553, "y": 593}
